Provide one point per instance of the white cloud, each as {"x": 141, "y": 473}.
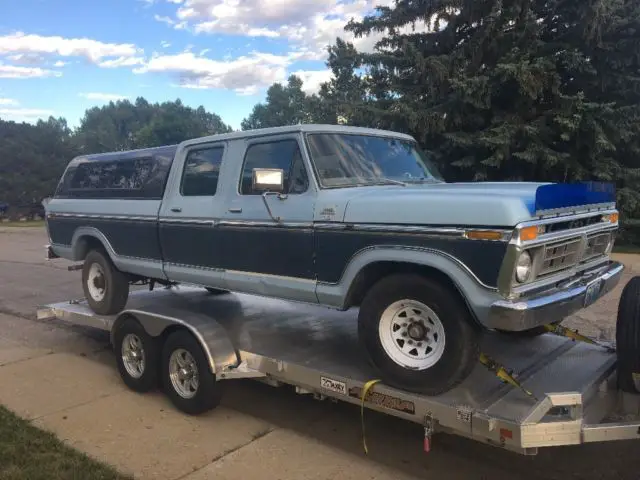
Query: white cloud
{"x": 164, "y": 19}
{"x": 309, "y": 25}
{"x": 13, "y": 71}
{"x": 95, "y": 51}
{"x": 104, "y": 97}
{"x": 24, "y": 114}
{"x": 165, "y": 44}
{"x": 313, "y": 79}
{"x": 8, "y": 101}
{"x": 245, "y": 75}
{"x": 59, "y": 64}
{"x": 121, "y": 62}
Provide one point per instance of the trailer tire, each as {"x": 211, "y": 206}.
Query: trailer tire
{"x": 131, "y": 336}
{"x": 628, "y": 337}
{"x": 182, "y": 347}
{"x": 105, "y": 287}
{"x": 442, "y": 331}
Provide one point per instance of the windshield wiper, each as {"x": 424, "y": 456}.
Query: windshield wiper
{"x": 386, "y": 181}
{"x": 424, "y": 180}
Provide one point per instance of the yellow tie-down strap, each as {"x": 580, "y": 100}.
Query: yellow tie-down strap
{"x": 365, "y": 391}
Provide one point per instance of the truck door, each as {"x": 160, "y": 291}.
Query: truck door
{"x": 268, "y": 240}
{"x": 192, "y": 206}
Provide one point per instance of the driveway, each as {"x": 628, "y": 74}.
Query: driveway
{"x": 65, "y": 380}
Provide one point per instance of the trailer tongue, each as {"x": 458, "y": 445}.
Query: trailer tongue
{"x": 559, "y": 392}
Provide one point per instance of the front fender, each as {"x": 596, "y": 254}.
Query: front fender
{"x": 478, "y": 296}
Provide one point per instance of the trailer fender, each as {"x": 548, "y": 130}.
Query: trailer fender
{"x": 213, "y": 338}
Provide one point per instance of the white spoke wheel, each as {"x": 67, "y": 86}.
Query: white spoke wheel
{"x": 137, "y": 355}
{"x": 418, "y": 333}
{"x": 412, "y": 334}
{"x": 105, "y": 287}
{"x": 96, "y": 283}
{"x": 186, "y": 374}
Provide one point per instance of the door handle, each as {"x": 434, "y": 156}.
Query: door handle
{"x": 176, "y": 209}
{"x": 235, "y": 210}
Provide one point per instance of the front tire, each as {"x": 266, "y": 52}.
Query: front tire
{"x": 418, "y": 334}
{"x": 628, "y": 337}
{"x": 105, "y": 287}
{"x": 187, "y": 378}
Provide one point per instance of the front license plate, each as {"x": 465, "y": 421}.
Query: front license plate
{"x": 592, "y": 293}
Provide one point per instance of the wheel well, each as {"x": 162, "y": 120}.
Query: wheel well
{"x": 372, "y": 273}
{"x": 85, "y": 244}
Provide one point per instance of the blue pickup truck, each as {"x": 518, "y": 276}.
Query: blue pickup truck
{"x": 346, "y": 218}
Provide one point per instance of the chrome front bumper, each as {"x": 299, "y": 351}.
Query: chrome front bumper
{"x": 550, "y": 307}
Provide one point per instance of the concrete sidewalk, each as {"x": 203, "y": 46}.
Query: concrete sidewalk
{"x": 83, "y": 401}
{"x": 258, "y": 432}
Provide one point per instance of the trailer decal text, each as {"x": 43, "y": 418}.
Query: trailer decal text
{"x": 386, "y": 401}
{"x": 333, "y": 385}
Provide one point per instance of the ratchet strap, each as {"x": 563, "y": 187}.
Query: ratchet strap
{"x": 365, "y": 390}
{"x": 503, "y": 374}
{"x": 574, "y": 335}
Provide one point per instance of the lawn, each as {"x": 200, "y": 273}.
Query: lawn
{"x": 29, "y": 223}
{"x": 28, "y": 453}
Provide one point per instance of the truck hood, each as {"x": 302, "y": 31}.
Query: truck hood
{"x": 498, "y": 204}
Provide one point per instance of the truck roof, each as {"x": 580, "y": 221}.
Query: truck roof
{"x": 303, "y": 127}
{"x": 136, "y": 153}
{"x": 170, "y": 150}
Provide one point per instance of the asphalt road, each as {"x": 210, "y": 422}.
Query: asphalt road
{"x": 27, "y": 280}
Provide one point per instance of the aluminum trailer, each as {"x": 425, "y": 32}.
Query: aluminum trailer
{"x": 189, "y": 340}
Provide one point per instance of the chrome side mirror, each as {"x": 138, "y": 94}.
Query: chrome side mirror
{"x": 268, "y": 179}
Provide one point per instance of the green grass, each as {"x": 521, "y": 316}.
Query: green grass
{"x": 28, "y": 453}
{"x": 30, "y": 223}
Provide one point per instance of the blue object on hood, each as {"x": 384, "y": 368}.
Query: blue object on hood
{"x": 563, "y": 195}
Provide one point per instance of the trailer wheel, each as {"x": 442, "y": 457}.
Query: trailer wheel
{"x": 105, "y": 287}
{"x": 137, "y": 355}
{"x": 418, "y": 334}
{"x": 187, "y": 378}
{"x": 628, "y": 337}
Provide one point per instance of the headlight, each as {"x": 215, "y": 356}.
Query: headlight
{"x": 523, "y": 267}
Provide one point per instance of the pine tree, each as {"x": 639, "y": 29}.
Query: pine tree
{"x": 512, "y": 89}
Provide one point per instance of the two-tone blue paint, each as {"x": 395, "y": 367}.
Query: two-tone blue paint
{"x": 325, "y": 238}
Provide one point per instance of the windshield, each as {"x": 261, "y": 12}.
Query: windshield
{"x": 345, "y": 159}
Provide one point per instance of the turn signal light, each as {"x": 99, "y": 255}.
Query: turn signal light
{"x": 611, "y": 218}
{"x": 483, "y": 235}
{"x": 529, "y": 233}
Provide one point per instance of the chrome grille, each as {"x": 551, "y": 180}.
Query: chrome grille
{"x": 596, "y": 245}
{"x": 559, "y": 256}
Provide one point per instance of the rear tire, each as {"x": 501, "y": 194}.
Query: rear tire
{"x": 187, "y": 378}
{"x": 137, "y": 355}
{"x": 418, "y": 334}
{"x": 105, "y": 287}
{"x": 628, "y": 337}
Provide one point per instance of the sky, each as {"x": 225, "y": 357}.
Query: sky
{"x": 60, "y": 57}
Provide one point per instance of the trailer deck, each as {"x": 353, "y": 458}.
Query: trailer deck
{"x": 316, "y": 350}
